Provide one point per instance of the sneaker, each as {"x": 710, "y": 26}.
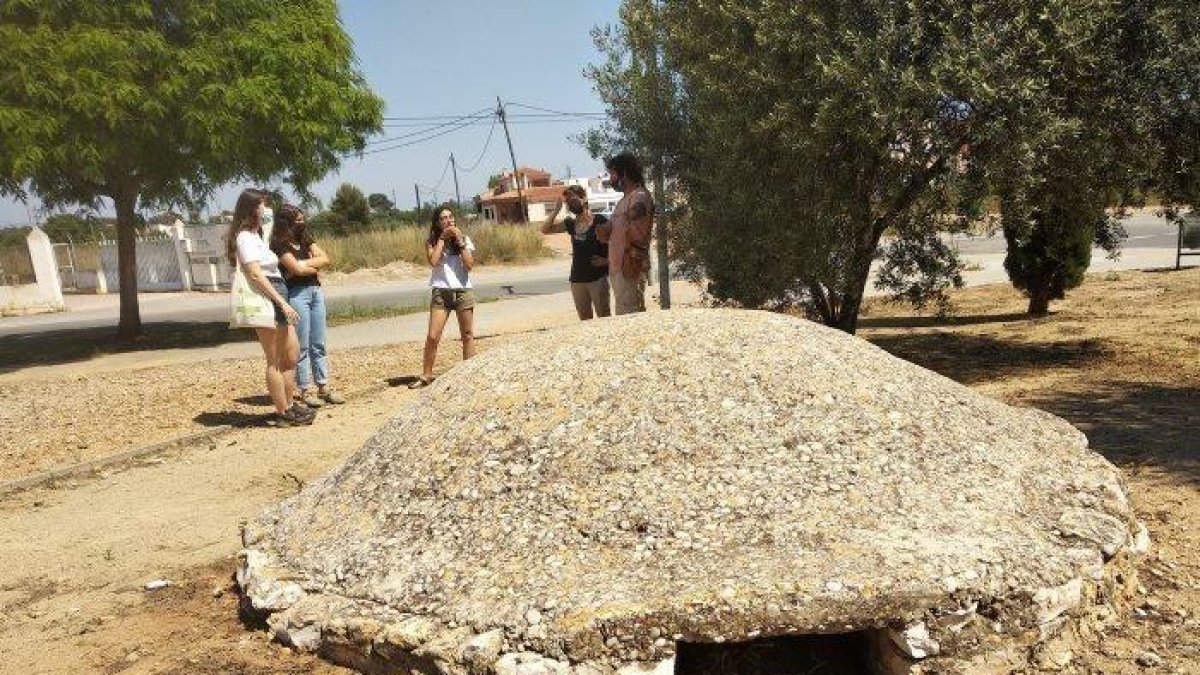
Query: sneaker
{"x": 330, "y": 395}
{"x": 311, "y": 399}
{"x": 302, "y": 412}
{"x": 288, "y": 418}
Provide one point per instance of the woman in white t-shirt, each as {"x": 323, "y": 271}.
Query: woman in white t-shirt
{"x": 452, "y": 255}
{"x": 245, "y": 247}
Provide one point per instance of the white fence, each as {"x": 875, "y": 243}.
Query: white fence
{"x": 181, "y": 259}
{"x": 158, "y": 266}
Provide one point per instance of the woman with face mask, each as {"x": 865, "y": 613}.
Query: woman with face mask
{"x": 589, "y": 256}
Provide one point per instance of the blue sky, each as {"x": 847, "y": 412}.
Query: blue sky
{"x": 428, "y": 58}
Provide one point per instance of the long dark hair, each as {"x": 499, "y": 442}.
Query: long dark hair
{"x": 245, "y": 217}
{"x": 435, "y": 230}
{"x": 288, "y": 230}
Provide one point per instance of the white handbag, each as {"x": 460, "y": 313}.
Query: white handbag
{"x": 247, "y": 307}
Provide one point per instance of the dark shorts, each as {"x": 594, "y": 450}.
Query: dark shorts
{"x": 281, "y": 289}
{"x": 452, "y": 299}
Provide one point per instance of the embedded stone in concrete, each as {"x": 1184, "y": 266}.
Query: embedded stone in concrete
{"x": 588, "y": 499}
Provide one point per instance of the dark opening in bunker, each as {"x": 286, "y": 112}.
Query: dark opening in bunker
{"x": 822, "y": 654}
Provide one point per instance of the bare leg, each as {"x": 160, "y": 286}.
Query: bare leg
{"x": 268, "y": 339}
{"x": 437, "y": 322}
{"x": 288, "y": 353}
{"x": 466, "y": 329}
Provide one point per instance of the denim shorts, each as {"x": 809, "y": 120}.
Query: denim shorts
{"x": 280, "y": 288}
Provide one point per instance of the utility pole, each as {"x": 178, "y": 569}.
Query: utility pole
{"x": 417, "y": 188}
{"x": 513, "y": 157}
{"x": 457, "y": 196}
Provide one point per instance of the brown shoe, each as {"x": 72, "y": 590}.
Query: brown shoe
{"x": 330, "y": 395}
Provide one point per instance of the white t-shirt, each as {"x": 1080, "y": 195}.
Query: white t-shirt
{"x": 452, "y": 272}
{"x": 252, "y": 248}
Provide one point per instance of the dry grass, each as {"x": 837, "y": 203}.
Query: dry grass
{"x": 493, "y": 244}
{"x": 15, "y": 266}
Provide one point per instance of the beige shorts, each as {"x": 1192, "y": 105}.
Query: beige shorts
{"x": 452, "y": 299}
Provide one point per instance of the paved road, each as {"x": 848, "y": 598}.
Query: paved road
{"x": 96, "y": 312}
{"x": 1145, "y": 230}
{"x": 1146, "y": 233}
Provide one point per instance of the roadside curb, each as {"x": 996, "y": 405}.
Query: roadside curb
{"x": 90, "y": 468}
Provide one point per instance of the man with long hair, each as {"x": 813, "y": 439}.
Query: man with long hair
{"x": 628, "y": 234}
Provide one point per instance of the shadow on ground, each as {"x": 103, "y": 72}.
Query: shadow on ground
{"x": 936, "y": 321}
{"x": 972, "y": 359}
{"x": 230, "y": 418}
{"x": 50, "y": 348}
{"x": 1135, "y": 424}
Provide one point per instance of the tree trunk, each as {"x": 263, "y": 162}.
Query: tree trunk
{"x": 660, "y": 226}
{"x": 1039, "y": 302}
{"x": 846, "y": 318}
{"x": 130, "y": 324}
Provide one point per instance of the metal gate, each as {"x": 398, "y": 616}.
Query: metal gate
{"x": 157, "y": 265}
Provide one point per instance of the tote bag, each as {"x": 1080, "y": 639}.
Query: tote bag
{"x": 247, "y": 307}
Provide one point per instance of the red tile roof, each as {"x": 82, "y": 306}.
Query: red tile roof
{"x": 543, "y": 194}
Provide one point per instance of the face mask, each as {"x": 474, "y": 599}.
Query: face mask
{"x": 575, "y": 205}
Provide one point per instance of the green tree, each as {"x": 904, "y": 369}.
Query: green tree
{"x": 1172, "y": 73}
{"x": 818, "y": 137}
{"x": 76, "y": 227}
{"x": 636, "y": 83}
{"x": 350, "y": 203}
{"x": 1085, "y": 149}
{"x": 380, "y": 204}
{"x": 157, "y": 102}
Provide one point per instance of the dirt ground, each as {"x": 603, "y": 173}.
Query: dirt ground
{"x": 1118, "y": 359}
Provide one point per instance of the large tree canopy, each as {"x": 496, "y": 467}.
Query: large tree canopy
{"x": 816, "y": 137}
{"x": 160, "y": 101}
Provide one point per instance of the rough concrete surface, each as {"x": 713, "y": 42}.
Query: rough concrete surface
{"x": 584, "y": 499}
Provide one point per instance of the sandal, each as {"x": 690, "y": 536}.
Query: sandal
{"x": 419, "y": 383}
{"x": 288, "y": 418}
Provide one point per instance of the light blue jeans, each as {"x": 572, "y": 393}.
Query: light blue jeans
{"x": 309, "y": 303}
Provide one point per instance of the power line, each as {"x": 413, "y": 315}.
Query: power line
{"x": 486, "y": 145}
{"x": 416, "y": 141}
{"x": 443, "y": 178}
{"x": 482, "y": 119}
{"x": 441, "y": 118}
{"x": 556, "y": 112}
{"x": 432, "y": 127}
{"x": 434, "y": 191}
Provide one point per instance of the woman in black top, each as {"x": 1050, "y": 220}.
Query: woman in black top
{"x": 589, "y": 256}
{"x": 301, "y": 260}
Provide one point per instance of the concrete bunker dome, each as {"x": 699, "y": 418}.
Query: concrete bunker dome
{"x": 622, "y": 495}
